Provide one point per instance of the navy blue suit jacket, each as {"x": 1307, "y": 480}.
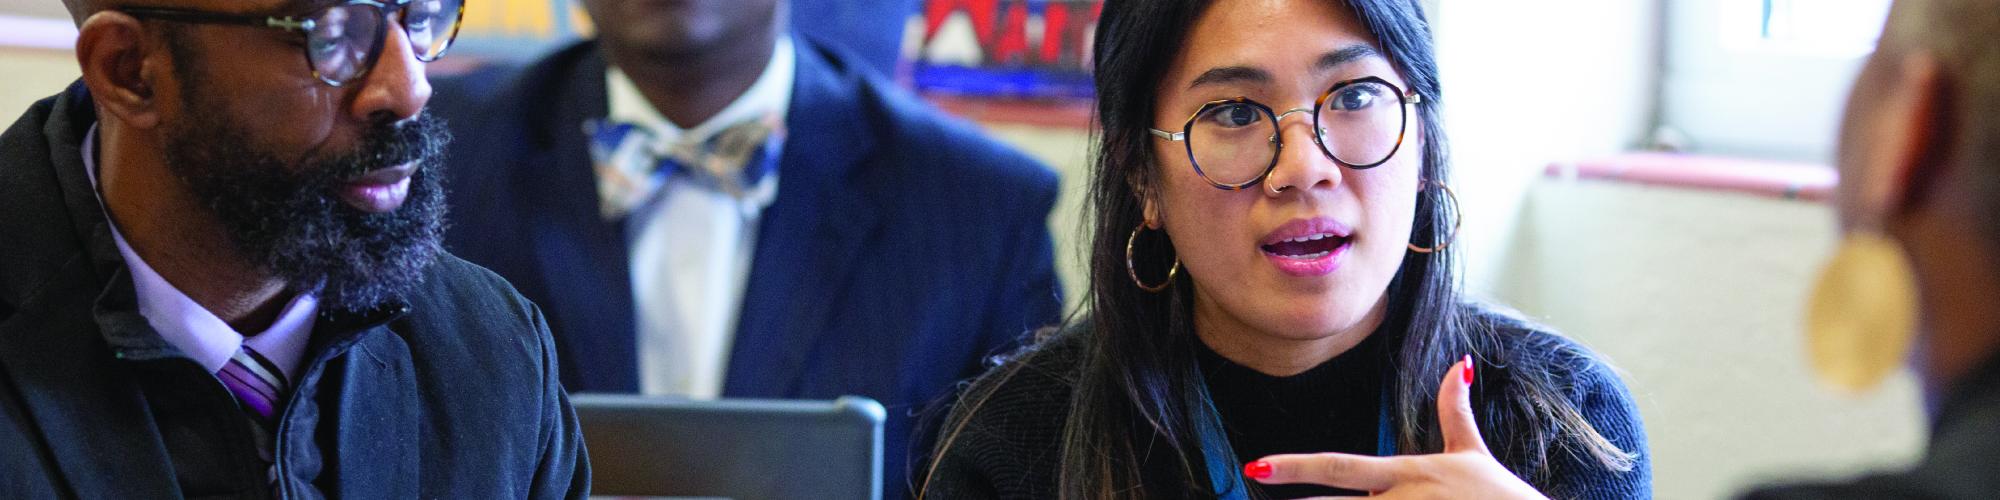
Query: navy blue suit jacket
{"x": 902, "y": 250}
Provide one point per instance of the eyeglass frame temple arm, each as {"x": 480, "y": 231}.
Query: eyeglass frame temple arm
{"x": 290, "y": 23}
{"x": 287, "y": 23}
{"x": 178, "y": 15}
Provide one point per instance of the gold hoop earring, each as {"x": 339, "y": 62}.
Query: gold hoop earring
{"x": 1455, "y": 221}
{"x": 1132, "y": 268}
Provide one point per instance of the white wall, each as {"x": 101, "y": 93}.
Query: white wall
{"x": 1530, "y": 82}
{"x": 1699, "y": 297}
{"x": 33, "y": 55}
{"x": 1733, "y": 94}
{"x": 51, "y": 9}
{"x": 32, "y": 75}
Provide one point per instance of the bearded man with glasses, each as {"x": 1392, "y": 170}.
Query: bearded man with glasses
{"x": 222, "y": 273}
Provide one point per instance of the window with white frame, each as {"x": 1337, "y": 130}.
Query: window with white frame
{"x": 1829, "y": 27}
{"x": 1764, "y": 78}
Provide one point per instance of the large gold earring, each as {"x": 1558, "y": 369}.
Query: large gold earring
{"x": 1456, "y": 220}
{"x": 1132, "y": 268}
{"x": 1863, "y": 315}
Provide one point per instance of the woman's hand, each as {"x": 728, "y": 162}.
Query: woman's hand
{"x": 1464, "y": 470}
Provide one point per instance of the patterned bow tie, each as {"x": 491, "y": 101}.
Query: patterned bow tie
{"x": 632, "y": 163}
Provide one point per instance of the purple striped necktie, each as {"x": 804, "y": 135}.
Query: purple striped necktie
{"x": 260, "y": 387}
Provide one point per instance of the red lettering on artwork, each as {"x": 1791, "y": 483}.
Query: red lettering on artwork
{"x": 1000, "y": 28}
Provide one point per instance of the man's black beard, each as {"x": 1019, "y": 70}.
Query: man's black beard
{"x": 289, "y": 219}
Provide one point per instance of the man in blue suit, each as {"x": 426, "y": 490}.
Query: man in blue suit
{"x": 705, "y": 204}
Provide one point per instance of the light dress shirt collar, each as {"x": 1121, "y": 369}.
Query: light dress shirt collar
{"x": 186, "y": 325}
{"x": 690, "y": 249}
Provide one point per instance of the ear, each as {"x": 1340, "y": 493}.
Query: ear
{"x": 118, "y": 67}
{"x": 1149, "y": 206}
{"x": 1915, "y": 133}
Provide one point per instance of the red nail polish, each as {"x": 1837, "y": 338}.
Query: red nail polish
{"x": 1467, "y": 373}
{"x": 1257, "y": 470}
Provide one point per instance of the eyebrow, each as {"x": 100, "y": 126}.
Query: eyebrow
{"x": 1247, "y": 74}
{"x": 1345, "y": 55}
{"x": 1231, "y": 74}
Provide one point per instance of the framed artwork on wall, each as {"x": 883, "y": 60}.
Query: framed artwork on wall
{"x": 1013, "y": 49}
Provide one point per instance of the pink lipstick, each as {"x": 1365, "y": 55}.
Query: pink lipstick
{"x": 1308, "y": 247}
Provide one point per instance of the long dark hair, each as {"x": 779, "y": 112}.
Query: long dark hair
{"x": 1137, "y": 394}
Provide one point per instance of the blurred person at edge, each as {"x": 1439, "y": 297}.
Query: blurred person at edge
{"x": 222, "y": 274}
{"x": 1916, "y": 279}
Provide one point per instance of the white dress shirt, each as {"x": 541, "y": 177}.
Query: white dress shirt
{"x": 190, "y": 327}
{"x": 691, "y": 246}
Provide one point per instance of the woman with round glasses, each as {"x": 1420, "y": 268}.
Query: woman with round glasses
{"x": 1272, "y": 291}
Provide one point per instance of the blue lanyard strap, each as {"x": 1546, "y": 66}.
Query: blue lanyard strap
{"x": 1223, "y": 475}
{"x": 1385, "y": 436}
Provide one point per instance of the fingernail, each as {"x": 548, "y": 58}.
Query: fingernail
{"x": 1467, "y": 373}
{"x": 1257, "y": 470}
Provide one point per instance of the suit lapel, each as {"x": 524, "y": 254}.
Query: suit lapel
{"x": 581, "y": 256}
{"x": 811, "y": 236}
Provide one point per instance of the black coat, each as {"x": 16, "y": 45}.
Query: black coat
{"x": 452, "y": 393}
{"x": 1959, "y": 461}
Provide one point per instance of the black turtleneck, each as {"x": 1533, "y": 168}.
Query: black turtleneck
{"x": 1010, "y": 445}
{"x": 1958, "y": 463}
{"x": 1333, "y": 407}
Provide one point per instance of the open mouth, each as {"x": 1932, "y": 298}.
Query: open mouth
{"x": 1307, "y": 247}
